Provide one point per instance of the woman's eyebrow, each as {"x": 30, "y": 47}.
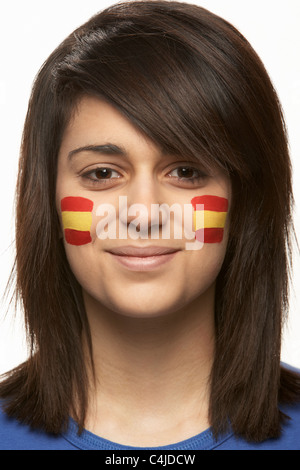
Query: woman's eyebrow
{"x": 105, "y": 149}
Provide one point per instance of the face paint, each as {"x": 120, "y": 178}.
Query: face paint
{"x": 210, "y": 221}
{"x": 77, "y": 219}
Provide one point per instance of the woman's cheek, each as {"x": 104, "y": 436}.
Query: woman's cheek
{"x": 76, "y": 215}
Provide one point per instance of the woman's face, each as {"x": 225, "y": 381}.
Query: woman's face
{"x": 123, "y": 255}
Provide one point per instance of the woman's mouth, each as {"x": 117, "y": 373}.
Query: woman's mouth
{"x": 143, "y": 258}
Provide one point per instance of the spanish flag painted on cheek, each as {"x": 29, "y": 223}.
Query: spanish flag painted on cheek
{"x": 209, "y": 222}
{"x": 77, "y": 219}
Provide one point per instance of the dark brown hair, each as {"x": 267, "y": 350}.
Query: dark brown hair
{"x": 192, "y": 83}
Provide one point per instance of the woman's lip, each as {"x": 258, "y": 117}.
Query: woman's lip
{"x": 143, "y": 259}
{"x": 142, "y": 252}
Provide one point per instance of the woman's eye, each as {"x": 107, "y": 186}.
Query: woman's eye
{"x": 103, "y": 173}
{"x": 100, "y": 175}
{"x": 187, "y": 174}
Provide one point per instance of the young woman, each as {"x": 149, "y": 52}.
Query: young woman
{"x": 142, "y": 337}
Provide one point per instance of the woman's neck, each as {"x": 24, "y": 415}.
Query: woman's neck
{"x": 152, "y": 374}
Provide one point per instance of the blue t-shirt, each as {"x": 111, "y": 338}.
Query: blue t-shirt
{"x": 16, "y": 436}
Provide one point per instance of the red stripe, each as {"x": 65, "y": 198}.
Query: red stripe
{"x": 211, "y": 203}
{"x": 77, "y": 204}
{"x": 77, "y": 237}
{"x": 211, "y": 235}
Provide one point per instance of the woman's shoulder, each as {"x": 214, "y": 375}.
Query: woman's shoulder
{"x": 290, "y": 431}
{"x": 290, "y": 367}
{"x": 289, "y": 439}
{"x": 19, "y": 436}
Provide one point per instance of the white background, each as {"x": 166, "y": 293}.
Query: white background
{"x": 31, "y": 29}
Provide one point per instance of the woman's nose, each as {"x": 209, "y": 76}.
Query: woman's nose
{"x": 141, "y": 213}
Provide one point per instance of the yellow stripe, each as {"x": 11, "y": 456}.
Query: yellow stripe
{"x": 207, "y": 219}
{"x": 77, "y": 220}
